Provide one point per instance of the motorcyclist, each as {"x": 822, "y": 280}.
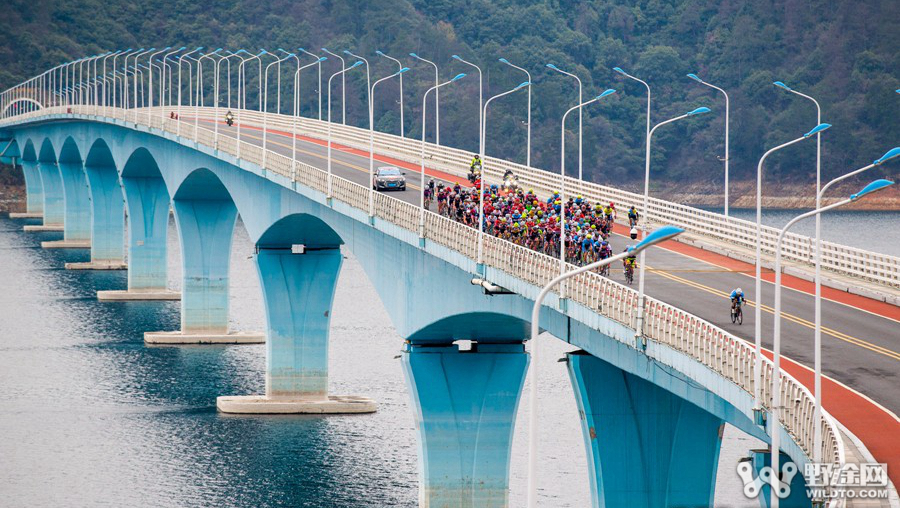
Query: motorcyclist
{"x": 229, "y": 118}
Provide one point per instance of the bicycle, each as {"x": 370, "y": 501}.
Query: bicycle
{"x": 737, "y": 315}
{"x": 604, "y": 270}
{"x": 629, "y": 274}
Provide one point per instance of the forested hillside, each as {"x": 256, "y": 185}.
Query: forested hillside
{"x": 844, "y": 53}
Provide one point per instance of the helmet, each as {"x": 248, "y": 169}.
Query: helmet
{"x": 611, "y": 203}
{"x": 604, "y": 243}
{"x": 739, "y": 290}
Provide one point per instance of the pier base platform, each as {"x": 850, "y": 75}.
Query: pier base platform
{"x": 99, "y": 265}
{"x": 260, "y": 404}
{"x": 67, "y": 244}
{"x": 204, "y": 338}
{"x": 136, "y": 296}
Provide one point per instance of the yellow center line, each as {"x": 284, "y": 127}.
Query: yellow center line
{"x": 789, "y": 317}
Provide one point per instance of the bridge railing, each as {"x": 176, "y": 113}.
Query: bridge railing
{"x": 872, "y": 266}
{"x": 723, "y": 353}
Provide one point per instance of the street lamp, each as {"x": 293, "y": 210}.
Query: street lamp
{"x": 242, "y": 91}
{"x": 817, "y": 440}
{"x": 757, "y": 334}
{"x": 368, "y": 83}
{"x": 774, "y": 428}
{"x": 528, "y": 124}
{"x": 480, "y": 101}
{"x": 580, "y": 130}
{"x": 400, "y": 66}
{"x": 422, "y": 184}
{"x": 343, "y": 86}
{"x": 372, "y": 142}
{"x": 150, "y": 84}
{"x": 437, "y": 101}
{"x": 297, "y": 111}
{"x": 266, "y": 100}
{"x": 727, "y": 111}
{"x": 319, "y": 61}
{"x": 639, "y": 326}
{"x": 562, "y": 185}
{"x": 357, "y": 64}
{"x": 629, "y": 76}
{"x": 662, "y": 234}
{"x": 197, "y": 103}
{"x": 480, "y": 201}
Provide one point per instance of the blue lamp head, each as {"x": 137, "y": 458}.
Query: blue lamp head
{"x": 167, "y": 48}
{"x": 660, "y": 235}
{"x": 898, "y": 90}
{"x": 458, "y": 77}
{"x": 455, "y": 57}
{"x": 263, "y": 52}
{"x": 523, "y": 85}
{"x": 779, "y": 84}
{"x": 619, "y": 70}
{"x": 414, "y": 55}
{"x": 357, "y": 64}
{"x": 198, "y": 48}
{"x": 609, "y": 91}
{"x": 401, "y": 71}
{"x": 346, "y": 51}
{"x": 182, "y": 48}
{"x": 699, "y": 111}
{"x": 818, "y": 128}
{"x": 322, "y": 59}
{"x": 378, "y": 52}
{"x": 301, "y": 49}
{"x": 893, "y": 152}
{"x": 503, "y": 60}
{"x": 877, "y": 185}
{"x": 695, "y": 78}
{"x": 553, "y": 67}
{"x": 216, "y": 51}
{"x": 290, "y": 55}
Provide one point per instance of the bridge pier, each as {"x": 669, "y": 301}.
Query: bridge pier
{"x": 107, "y": 220}
{"x": 52, "y": 191}
{"x": 465, "y": 408}
{"x": 206, "y": 228}
{"x": 34, "y": 194}
{"x": 298, "y": 290}
{"x": 646, "y": 447}
{"x": 77, "y": 208}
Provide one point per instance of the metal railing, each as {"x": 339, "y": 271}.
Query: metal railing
{"x": 867, "y": 265}
{"x": 721, "y": 352}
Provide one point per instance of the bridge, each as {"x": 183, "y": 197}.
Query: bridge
{"x": 652, "y": 401}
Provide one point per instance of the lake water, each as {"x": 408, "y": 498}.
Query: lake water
{"x": 90, "y": 416}
{"x": 877, "y": 231}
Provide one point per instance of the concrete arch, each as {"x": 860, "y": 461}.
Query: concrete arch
{"x": 52, "y": 184}
{"x": 299, "y": 229}
{"x": 486, "y": 326}
{"x": 76, "y": 195}
{"x": 107, "y": 207}
{"x": 29, "y": 153}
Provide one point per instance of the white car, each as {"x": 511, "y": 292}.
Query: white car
{"x": 389, "y": 178}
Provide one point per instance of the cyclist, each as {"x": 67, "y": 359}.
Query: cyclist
{"x": 431, "y": 186}
{"x": 427, "y": 195}
{"x": 630, "y": 262}
{"x": 737, "y": 296}
{"x": 633, "y": 216}
{"x": 610, "y": 212}
{"x": 476, "y": 163}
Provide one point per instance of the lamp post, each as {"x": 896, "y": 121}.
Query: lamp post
{"x": 757, "y": 315}
{"x": 774, "y": 428}
{"x": 242, "y": 91}
{"x": 817, "y": 437}
{"x": 480, "y": 201}
{"x": 266, "y": 101}
{"x": 372, "y": 142}
{"x": 357, "y": 64}
{"x": 528, "y": 121}
{"x": 162, "y": 82}
{"x": 319, "y": 61}
{"x": 399, "y": 66}
{"x": 562, "y": 185}
{"x": 660, "y": 235}
{"x": 480, "y": 102}
{"x": 727, "y": 111}
{"x": 629, "y": 76}
{"x": 200, "y": 89}
{"x": 639, "y": 326}
{"x": 150, "y": 84}
{"x": 297, "y": 111}
{"x": 437, "y": 101}
{"x": 422, "y": 183}
{"x": 343, "y": 86}
{"x": 368, "y": 83}
{"x": 580, "y": 126}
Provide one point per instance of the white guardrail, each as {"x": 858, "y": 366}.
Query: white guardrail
{"x": 872, "y": 266}
{"x": 727, "y": 355}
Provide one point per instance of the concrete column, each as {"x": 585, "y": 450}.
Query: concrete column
{"x": 205, "y": 227}
{"x": 77, "y": 207}
{"x": 790, "y": 475}
{"x": 33, "y": 189}
{"x": 108, "y": 216}
{"x": 298, "y": 290}
{"x": 54, "y": 199}
{"x": 645, "y": 446}
{"x": 148, "y": 221}
{"x": 465, "y": 407}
